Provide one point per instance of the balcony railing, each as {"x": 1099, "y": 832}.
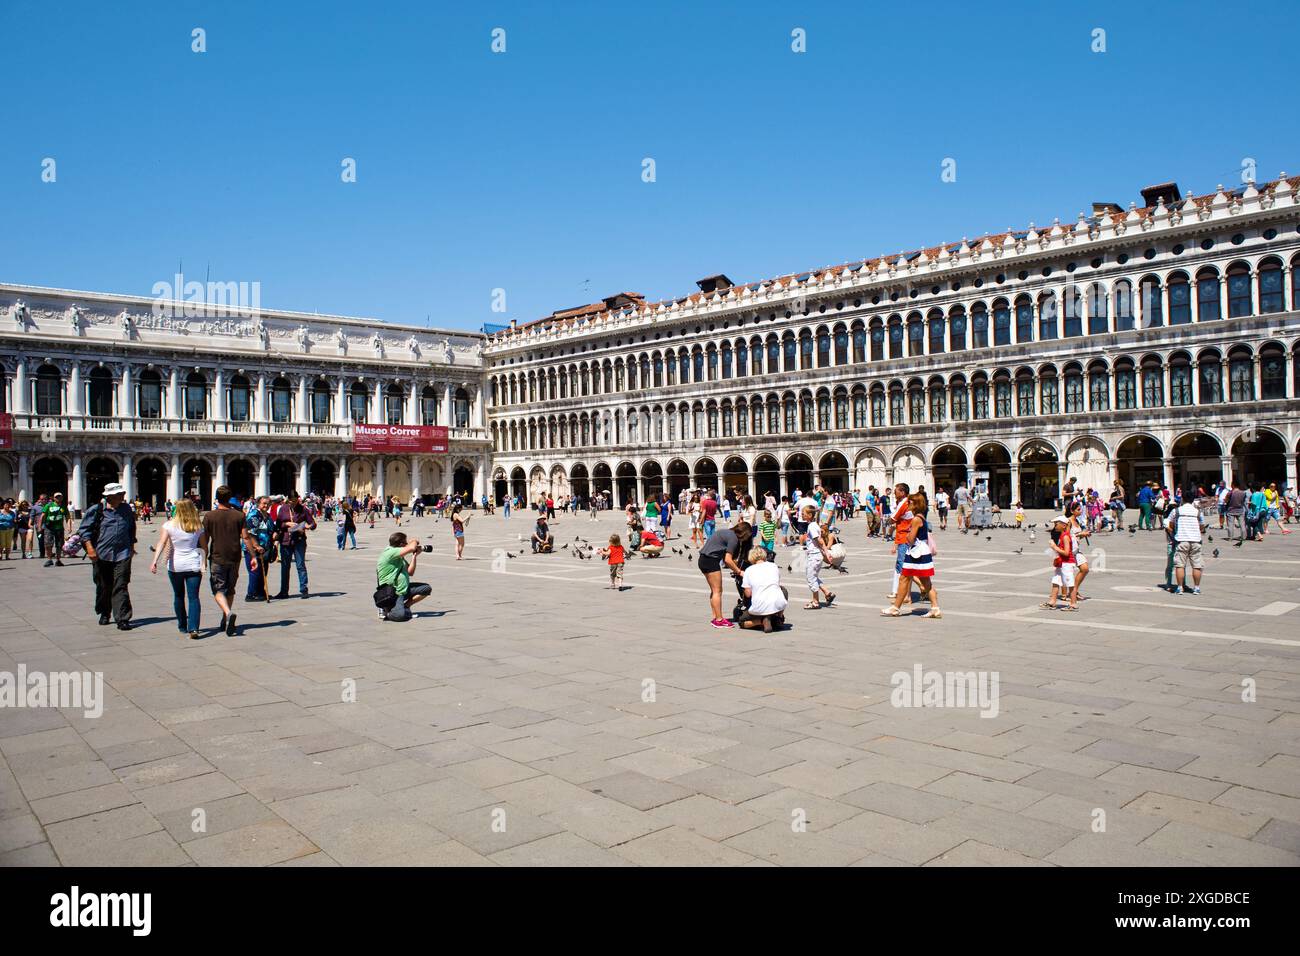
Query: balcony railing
{"x": 329, "y": 431}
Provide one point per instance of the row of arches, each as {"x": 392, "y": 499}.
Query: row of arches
{"x": 1031, "y": 472}
{"x": 1179, "y": 378}
{"x": 1176, "y": 297}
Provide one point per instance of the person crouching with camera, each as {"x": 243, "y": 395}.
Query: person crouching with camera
{"x": 396, "y": 565}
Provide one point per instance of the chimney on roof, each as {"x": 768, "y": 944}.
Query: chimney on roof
{"x": 715, "y": 283}
{"x": 1103, "y": 208}
{"x": 622, "y": 299}
{"x": 1166, "y": 191}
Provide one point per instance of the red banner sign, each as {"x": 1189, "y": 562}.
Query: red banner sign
{"x": 6, "y": 430}
{"x": 399, "y": 439}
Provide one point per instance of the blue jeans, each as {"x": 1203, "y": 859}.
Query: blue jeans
{"x": 297, "y": 554}
{"x": 709, "y": 527}
{"x": 343, "y": 537}
{"x": 185, "y": 590}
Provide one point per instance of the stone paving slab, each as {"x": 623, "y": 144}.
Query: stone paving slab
{"x": 527, "y": 717}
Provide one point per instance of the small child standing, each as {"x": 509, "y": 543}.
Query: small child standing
{"x": 1020, "y": 514}
{"x": 616, "y": 557}
{"x": 1063, "y": 565}
{"x": 767, "y": 534}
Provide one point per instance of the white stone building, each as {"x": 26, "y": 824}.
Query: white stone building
{"x": 124, "y": 388}
{"x": 1158, "y": 342}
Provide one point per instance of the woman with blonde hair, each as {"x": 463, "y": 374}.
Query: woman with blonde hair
{"x": 182, "y": 536}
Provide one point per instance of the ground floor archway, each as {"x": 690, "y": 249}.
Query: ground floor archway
{"x": 626, "y": 484}
{"x": 706, "y": 474}
{"x": 1040, "y": 475}
{"x": 1139, "y": 459}
{"x": 798, "y": 475}
{"x": 283, "y": 477}
{"x": 1087, "y": 462}
{"x": 833, "y": 469}
{"x": 579, "y": 483}
{"x": 518, "y": 483}
{"x": 321, "y": 477}
{"x": 462, "y": 480}
{"x": 679, "y": 477}
{"x": 948, "y": 465}
{"x": 993, "y": 469}
{"x": 49, "y": 475}
{"x": 909, "y": 469}
{"x": 99, "y": 472}
{"x": 767, "y": 477}
{"x": 241, "y": 476}
{"x": 652, "y": 480}
{"x": 735, "y": 477}
{"x": 1197, "y": 463}
{"x": 196, "y": 482}
{"x": 602, "y": 481}
{"x": 1259, "y": 458}
{"x": 151, "y": 482}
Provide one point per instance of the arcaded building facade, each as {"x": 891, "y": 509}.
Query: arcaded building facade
{"x": 107, "y": 388}
{"x": 1158, "y": 341}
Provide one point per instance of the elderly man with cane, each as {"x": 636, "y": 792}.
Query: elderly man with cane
{"x": 108, "y": 534}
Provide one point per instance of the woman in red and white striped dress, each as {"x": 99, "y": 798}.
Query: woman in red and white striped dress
{"x": 918, "y": 563}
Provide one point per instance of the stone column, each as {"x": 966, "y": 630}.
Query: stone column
{"x": 126, "y": 404}
{"x": 77, "y": 486}
{"x": 480, "y": 481}
{"x": 377, "y": 404}
{"x": 445, "y": 416}
{"x": 1169, "y": 474}
{"x": 219, "y": 396}
{"x": 1015, "y": 483}
{"x": 341, "y": 402}
{"x": 174, "y": 397}
{"x": 174, "y": 482}
{"x": 24, "y": 479}
{"x": 1256, "y": 384}
{"x": 1291, "y": 463}
{"x": 415, "y": 477}
{"x": 380, "y": 474}
{"x": 341, "y": 477}
{"x": 413, "y": 405}
{"x": 22, "y": 391}
{"x": 259, "y": 412}
{"x": 75, "y": 401}
{"x": 479, "y": 420}
{"x": 221, "y": 471}
{"x": 304, "y": 476}
{"x": 301, "y": 412}
{"x": 128, "y": 477}
{"x": 1225, "y": 463}
{"x": 263, "y": 477}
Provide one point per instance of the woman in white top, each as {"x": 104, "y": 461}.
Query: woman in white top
{"x": 185, "y": 542}
{"x": 767, "y": 599}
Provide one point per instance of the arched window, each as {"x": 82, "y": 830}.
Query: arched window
{"x": 1239, "y": 297}
{"x": 980, "y": 398}
{"x": 877, "y": 408}
{"x": 756, "y": 417}
{"x": 823, "y": 348}
{"x": 429, "y": 406}
{"x": 1123, "y": 306}
{"x": 1180, "y": 381}
{"x": 1002, "y": 396}
{"x": 713, "y": 364}
{"x": 460, "y": 408}
{"x": 358, "y": 402}
{"x": 773, "y": 355}
{"x": 938, "y": 401}
{"x": 238, "y": 402}
{"x": 659, "y": 370}
{"x": 1208, "y": 306}
{"x": 49, "y": 391}
{"x": 877, "y": 341}
{"x": 790, "y": 350}
{"x": 823, "y": 413}
{"x": 1153, "y": 382}
{"x": 1073, "y": 390}
{"x": 957, "y": 329}
{"x": 1051, "y": 402}
{"x": 1047, "y": 318}
{"x": 896, "y": 405}
{"x": 196, "y": 397}
{"x": 1071, "y": 312}
{"x": 895, "y": 337}
{"x": 1125, "y": 385}
{"x": 805, "y": 350}
{"x": 774, "y": 407}
{"x": 915, "y": 335}
{"x": 393, "y": 402}
{"x": 320, "y": 402}
{"x": 841, "y": 347}
{"x": 1098, "y": 319}
{"x": 1180, "y": 300}
{"x": 1098, "y": 389}
{"x": 791, "y": 412}
{"x": 979, "y": 320}
{"x": 1153, "y": 312}
{"x": 916, "y": 404}
{"x": 1270, "y": 286}
{"x": 1001, "y": 322}
{"x": 806, "y": 412}
{"x": 859, "y": 344}
{"x": 281, "y": 400}
{"x": 938, "y": 332}
{"x": 841, "y": 411}
{"x": 1211, "y": 376}
{"x": 1024, "y": 319}
{"x": 1025, "y": 394}
{"x": 742, "y": 419}
{"x": 742, "y": 359}
{"x": 1272, "y": 373}
{"x": 1241, "y": 378}
{"x": 859, "y": 409}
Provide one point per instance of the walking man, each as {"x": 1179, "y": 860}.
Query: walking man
{"x": 108, "y": 535}
{"x": 294, "y": 521}
{"x": 226, "y": 533}
{"x": 53, "y": 515}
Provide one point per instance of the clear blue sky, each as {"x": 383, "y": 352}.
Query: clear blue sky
{"x": 523, "y": 170}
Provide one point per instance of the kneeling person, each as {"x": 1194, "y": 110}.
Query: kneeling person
{"x": 396, "y": 565}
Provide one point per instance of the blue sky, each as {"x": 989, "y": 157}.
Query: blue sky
{"x": 523, "y": 170}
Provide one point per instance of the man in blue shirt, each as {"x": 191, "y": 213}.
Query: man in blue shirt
{"x": 108, "y": 535}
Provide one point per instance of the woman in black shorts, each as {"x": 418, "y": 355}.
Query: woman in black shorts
{"x": 723, "y": 547}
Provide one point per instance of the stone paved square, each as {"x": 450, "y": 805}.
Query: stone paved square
{"x": 509, "y": 723}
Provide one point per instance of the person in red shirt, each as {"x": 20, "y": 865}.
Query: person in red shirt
{"x": 651, "y": 545}
{"x": 616, "y": 557}
{"x": 708, "y": 515}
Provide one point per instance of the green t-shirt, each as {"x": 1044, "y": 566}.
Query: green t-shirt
{"x": 53, "y": 515}
{"x": 392, "y": 569}
{"x": 767, "y": 530}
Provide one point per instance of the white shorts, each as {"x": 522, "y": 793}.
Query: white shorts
{"x": 1063, "y": 577}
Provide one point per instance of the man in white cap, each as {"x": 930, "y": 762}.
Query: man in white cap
{"x": 108, "y": 535}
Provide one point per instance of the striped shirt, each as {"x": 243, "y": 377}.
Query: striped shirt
{"x": 1187, "y": 523}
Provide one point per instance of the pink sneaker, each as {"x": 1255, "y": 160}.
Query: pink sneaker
{"x": 721, "y": 622}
